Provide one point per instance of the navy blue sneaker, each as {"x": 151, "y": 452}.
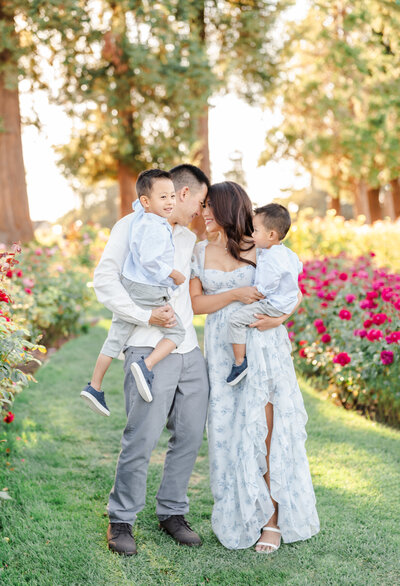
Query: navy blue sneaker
{"x": 95, "y": 400}
{"x": 144, "y": 379}
{"x": 237, "y": 373}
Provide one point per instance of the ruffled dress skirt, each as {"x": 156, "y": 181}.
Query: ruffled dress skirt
{"x": 237, "y": 430}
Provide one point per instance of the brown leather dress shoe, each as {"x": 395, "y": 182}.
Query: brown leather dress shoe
{"x": 180, "y": 530}
{"x": 120, "y": 539}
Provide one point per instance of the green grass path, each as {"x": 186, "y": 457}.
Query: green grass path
{"x": 61, "y": 469}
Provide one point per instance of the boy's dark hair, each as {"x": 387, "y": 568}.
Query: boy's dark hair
{"x": 275, "y": 217}
{"x": 188, "y": 175}
{"x": 146, "y": 180}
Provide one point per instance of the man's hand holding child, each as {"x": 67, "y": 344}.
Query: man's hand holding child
{"x": 177, "y": 277}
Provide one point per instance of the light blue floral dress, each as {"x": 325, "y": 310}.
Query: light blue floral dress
{"x": 237, "y": 426}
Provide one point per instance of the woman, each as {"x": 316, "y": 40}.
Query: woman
{"x": 259, "y": 470}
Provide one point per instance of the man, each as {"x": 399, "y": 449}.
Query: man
{"x": 180, "y": 387}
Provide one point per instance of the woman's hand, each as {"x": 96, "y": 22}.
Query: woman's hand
{"x": 247, "y": 295}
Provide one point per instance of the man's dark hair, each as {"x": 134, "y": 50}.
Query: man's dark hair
{"x": 146, "y": 180}
{"x": 275, "y": 217}
{"x": 190, "y": 176}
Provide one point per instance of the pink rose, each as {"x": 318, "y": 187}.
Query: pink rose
{"x": 373, "y": 335}
{"x": 350, "y": 298}
{"x": 318, "y": 323}
{"x": 325, "y": 338}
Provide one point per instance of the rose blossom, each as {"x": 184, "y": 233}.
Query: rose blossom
{"x": 342, "y": 358}
{"x": 387, "y": 357}
{"x": 318, "y": 323}
{"x": 302, "y": 353}
{"x": 345, "y": 314}
{"x": 343, "y": 276}
{"x": 350, "y": 298}
{"x": 373, "y": 335}
{"x": 326, "y": 338}
{"x": 9, "y": 418}
{"x": 379, "y": 318}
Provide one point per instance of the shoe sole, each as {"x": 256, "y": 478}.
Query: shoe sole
{"x": 141, "y": 384}
{"x": 94, "y": 404}
{"x": 177, "y": 540}
{"x": 238, "y": 378}
{"x": 126, "y": 553}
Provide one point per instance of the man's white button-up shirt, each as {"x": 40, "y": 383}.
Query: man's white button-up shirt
{"x": 111, "y": 293}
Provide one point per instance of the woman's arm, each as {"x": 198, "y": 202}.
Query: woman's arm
{"x": 210, "y": 303}
{"x": 265, "y": 322}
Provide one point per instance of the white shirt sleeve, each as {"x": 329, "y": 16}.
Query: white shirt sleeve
{"x": 150, "y": 245}
{"x": 107, "y": 277}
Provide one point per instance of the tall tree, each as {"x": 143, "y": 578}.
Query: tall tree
{"x": 29, "y": 33}
{"x": 137, "y": 104}
{"x": 145, "y": 101}
{"x": 338, "y": 93}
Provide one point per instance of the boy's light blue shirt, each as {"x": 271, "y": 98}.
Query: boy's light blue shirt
{"x": 151, "y": 257}
{"x": 277, "y": 276}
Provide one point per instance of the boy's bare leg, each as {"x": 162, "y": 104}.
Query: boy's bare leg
{"x": 163, "y": 349}
{"x": 239, "y": 351}
{"x": 269, "y": 536}
{"x": 102, "y": 365}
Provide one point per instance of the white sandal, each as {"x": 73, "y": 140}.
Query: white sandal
{"x": 274, "y": 547}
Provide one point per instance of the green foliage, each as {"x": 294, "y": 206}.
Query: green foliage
{"x": 338, "y": 92}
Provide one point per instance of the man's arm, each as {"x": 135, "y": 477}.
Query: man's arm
{"x": 265, "y": 322}
{"x": 109, "y": 289}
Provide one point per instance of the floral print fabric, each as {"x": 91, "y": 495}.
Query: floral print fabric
{"x": 237, "y": 426}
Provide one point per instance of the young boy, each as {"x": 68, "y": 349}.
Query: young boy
{"x": 276, "y": 278}
{"x": 147, "y": 275}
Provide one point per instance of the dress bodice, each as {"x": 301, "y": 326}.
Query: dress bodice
{"x": 215, "y": 280}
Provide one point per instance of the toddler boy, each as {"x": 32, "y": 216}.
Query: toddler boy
{"x": 276, "y": 278}
{"x": 147, "y": 275}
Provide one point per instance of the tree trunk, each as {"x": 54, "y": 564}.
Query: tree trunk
{"x": 387, "y": 206}
{"x": 203, "y": 154}
{"x": 374, "y": 204}
{"x": 395, "y": 185}
{"x": 15, "y": 222}
{"x": 127, "y": 192}
{"x": 334, "y": 204}
{"x": 361, "y": 201}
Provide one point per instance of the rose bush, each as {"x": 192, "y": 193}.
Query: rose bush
{"x": 347, "y": 332}
{"x": 15, "y": 346}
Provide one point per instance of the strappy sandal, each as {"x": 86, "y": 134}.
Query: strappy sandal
{"x": 274, "y": 547}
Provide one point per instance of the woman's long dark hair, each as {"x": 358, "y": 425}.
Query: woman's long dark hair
{"x": 232, "y": 210}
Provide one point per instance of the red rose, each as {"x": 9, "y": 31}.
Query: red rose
{"x": 28, "y": 291}
{"x": 343, "y": 276}
{"x": 342, "y": 358}
{"x": 19, "y": 273}
{"x": 345, "y": 314}
{"x": 367, "y": 323}
{"x": 326, "y": 338}
{"x": 387, "y": 357}
{"x": 9, "y": 273}
{"x": 318, "y": 323}
{"x": 302, "y": 353}
{"x": 9, "y": 417}
{"x": 379, "y": 318}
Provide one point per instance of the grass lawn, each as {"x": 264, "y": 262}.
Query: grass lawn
{"x": 58, "y": 465}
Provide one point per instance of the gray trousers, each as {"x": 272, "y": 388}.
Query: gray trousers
{"x": 147, "y": 297}
{"x": 180, "y": 399}
{"x": 243, "y": 317}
